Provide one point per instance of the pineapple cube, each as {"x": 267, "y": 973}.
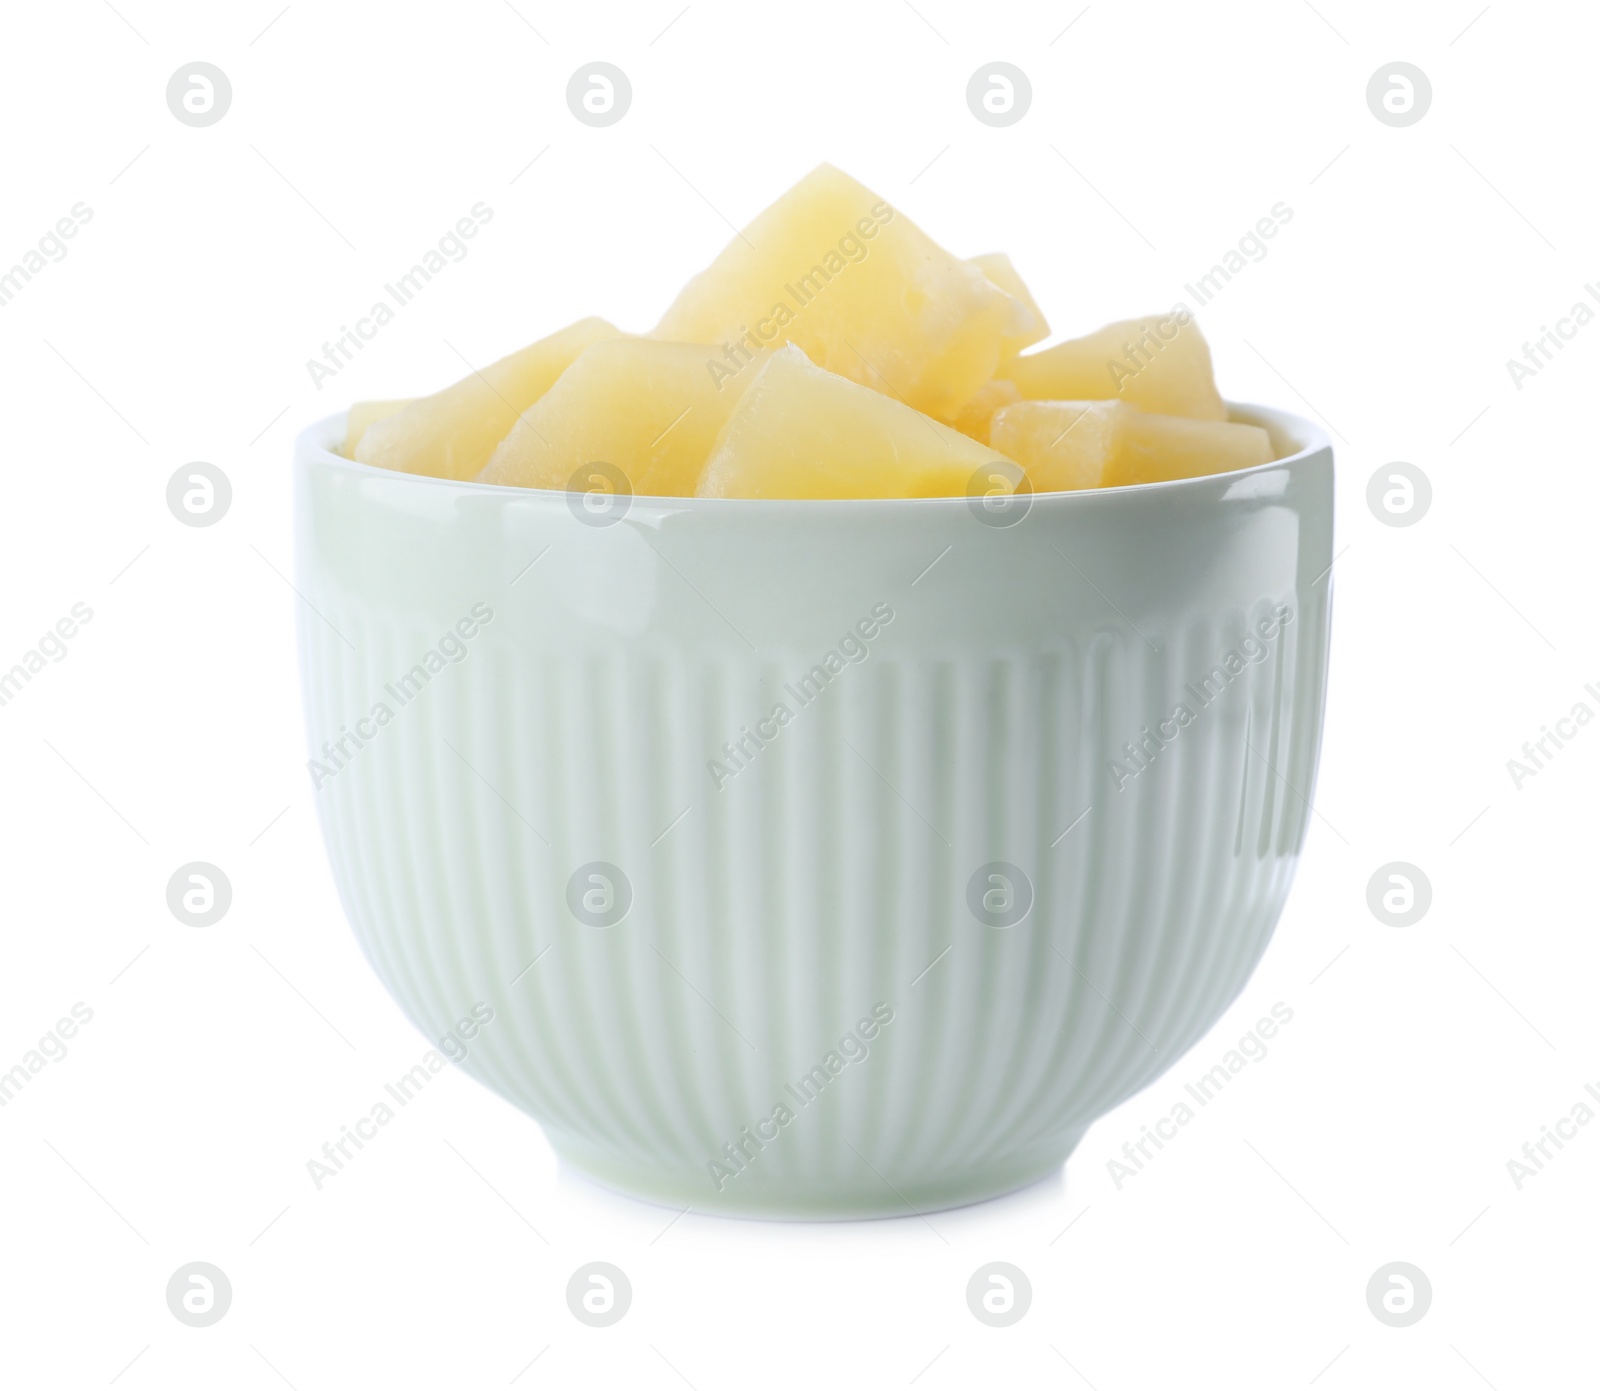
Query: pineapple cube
{"x": 1105, "y": 444}
{"x": 1156, "y": 364}
{"x": 864, "y": 293}
{"x": 651, "y": 409}
{"x": 975, "y": 416}
{"x": 803, "y": 432}
{"x": 452, "y": 433}
{"x": 1028, "y": 325}
{"x": 362, "y": 416}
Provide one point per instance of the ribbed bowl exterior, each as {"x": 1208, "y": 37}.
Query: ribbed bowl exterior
{"x": 807, "y": 1008}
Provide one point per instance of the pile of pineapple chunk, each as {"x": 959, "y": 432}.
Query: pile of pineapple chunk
{"x": 833, "y": 350}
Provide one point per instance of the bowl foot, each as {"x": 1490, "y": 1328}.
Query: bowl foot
{"x": 849, "y": 1193}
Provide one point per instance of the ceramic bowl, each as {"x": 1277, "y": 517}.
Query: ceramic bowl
{"x": 815, "y": 859}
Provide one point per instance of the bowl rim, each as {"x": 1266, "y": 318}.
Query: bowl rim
{"x": 315, "y": 443}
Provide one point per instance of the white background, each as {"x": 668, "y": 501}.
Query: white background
{"x": 1419, "y": 1060}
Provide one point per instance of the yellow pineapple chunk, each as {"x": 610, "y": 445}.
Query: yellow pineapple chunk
{"x": 362, "y": 416}
{"x": 1106, "y": 444}
{"x": 1159, "y": 363}
{"x": 452, "y": 433}
{"x": 649, "y": 409}
{"x": 863, "y": 292}
{"x": 1028, "y": 325}
{"x": 975, "y": 416}
{"x": 802, "y": 432}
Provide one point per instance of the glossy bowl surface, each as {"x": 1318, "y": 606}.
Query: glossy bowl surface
{"x": 815, "y": 859}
